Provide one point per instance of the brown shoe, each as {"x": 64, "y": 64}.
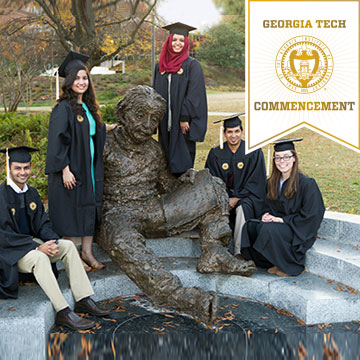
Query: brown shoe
{"x": 69, "y": 319}
{"x": 240, "y": 257}
{"x": 88, "y": 305}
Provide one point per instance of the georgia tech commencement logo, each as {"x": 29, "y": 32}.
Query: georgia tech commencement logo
{"x": 304, "y": 64}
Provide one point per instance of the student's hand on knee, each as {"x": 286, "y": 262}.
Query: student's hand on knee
{"x": 267, "y": 217}
{"x": 49, "y": 248}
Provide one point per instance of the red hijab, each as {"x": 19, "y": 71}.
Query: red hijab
{"x": 170, "y": 61}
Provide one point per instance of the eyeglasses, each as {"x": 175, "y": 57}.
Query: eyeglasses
{"x": 284, "y": 158}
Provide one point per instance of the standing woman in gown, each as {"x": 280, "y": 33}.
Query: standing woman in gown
{"x": 179, "y": 79}
{"x": 74, "y": 161}
{"x": 291, "y": 218}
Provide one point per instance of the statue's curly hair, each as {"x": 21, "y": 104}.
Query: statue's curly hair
{"x": 138, "y": 99}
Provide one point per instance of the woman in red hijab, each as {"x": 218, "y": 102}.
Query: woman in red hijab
{"x": 179, "y": 79}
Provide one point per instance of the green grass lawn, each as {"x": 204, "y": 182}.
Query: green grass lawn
{"x": 335, "y": 167}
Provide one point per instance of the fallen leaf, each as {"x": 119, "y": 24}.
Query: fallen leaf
{"x": 106, "y": 319}
{"x": 264, "y": 317}
{"x": 11, "y": 309}
{"x": 160, "y": 330}
{"x": 300, "y": 322}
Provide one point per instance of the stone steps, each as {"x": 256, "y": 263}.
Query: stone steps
{"x": 335, "y": 260}
{"x": 25, "y": 322}
{"x": 340, "y": 227}
{"x": 311, "y": 298}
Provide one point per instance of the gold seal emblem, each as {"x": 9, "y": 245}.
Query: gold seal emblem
{"x": 80, "y": 118}
{"x": 304, "y": 64}
{"x": 180, "y": 71}
{"x": 13, "y": 211}
{"x": 240, "y": 165}
{"x": 162, "y": 73}
{"x": 225, "y": 166}
{"x": 32, "y": 206}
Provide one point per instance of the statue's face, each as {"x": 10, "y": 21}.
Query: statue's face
{"x": 142, "y": 121}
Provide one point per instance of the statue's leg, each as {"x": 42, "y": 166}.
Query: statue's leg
{"x": 120, "y": 236}
{"x": 205, "y": 204}
{"x": 215, "y": 257}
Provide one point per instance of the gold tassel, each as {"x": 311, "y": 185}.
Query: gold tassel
{"x": 7, "y": 166}
{"x": 268, "y": 161}
{"x": 221, "y": 137}
{"x": 57, "y": 85}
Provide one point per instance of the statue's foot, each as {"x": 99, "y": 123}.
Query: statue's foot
{"x": 217, "y": 259}
{"x": 197, "y": 303}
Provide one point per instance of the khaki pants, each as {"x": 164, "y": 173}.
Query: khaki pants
{"x": 239, "y": 224}
{"x": 39, "y": 264}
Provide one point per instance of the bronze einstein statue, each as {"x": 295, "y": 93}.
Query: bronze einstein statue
{"x": 142, "y": 199}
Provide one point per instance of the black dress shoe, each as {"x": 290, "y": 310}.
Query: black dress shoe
{"x": 88, "y": 305}
{"x": 73, "y": 321}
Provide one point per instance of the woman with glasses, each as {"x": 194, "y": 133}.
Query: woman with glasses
{"x": 292, "y": 215}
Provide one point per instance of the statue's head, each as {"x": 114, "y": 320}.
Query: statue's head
{"x": 139, "y": 112}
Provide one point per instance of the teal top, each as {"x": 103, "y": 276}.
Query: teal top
{"x": 92, "y": 127}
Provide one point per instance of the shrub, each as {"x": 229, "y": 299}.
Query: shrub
{"x": 223, "y": 47}
{"x": 16, "y": 130}
{"x": 107, "y": 113}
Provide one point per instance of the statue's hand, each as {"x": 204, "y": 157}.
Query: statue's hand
{"x": 188, "y": 176}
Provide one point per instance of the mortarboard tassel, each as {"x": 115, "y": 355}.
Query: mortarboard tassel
{"x": 57, "y": 85}
{"x": 7, "y": 166}
{"x": 268, "y": 162}
{"x": 221, "y": 136}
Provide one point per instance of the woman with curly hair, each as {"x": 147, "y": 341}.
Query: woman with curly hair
{"x": 74, "y": 161}
{"x": 291, "y": 218}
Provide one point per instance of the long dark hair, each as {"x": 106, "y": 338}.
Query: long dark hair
{"x": 273, "y": 184}
{"x": 89, "y": 97}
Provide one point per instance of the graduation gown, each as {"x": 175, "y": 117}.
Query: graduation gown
{"x": 249, "y": 176}
{"x": 285, "y": 244}
{"x": 13, "y": 244}
{"x": 74, "y": 212}
{"x": 188, "y": 103}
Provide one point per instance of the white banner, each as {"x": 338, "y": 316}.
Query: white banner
{"x": 302, "y": 70}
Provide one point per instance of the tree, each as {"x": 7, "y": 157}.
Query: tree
{"x": 233, "y": 13}
{"x": 21, "y": 60}
{"x": 222, "y": 46}
{"x": 80, "y": 25}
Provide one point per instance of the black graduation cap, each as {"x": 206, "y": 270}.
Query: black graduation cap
{"x": 20, "y": 154}
{"x": 285, "y": 144}
{"x": 228, "y": 123}
{"x": 232, "y": 121}
{"x": 179, "y": 28}
{"x": 72, "y": 60}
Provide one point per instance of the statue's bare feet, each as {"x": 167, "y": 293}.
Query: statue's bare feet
{"x": 196, "y": 302}
{"x": 217, "y": 259}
